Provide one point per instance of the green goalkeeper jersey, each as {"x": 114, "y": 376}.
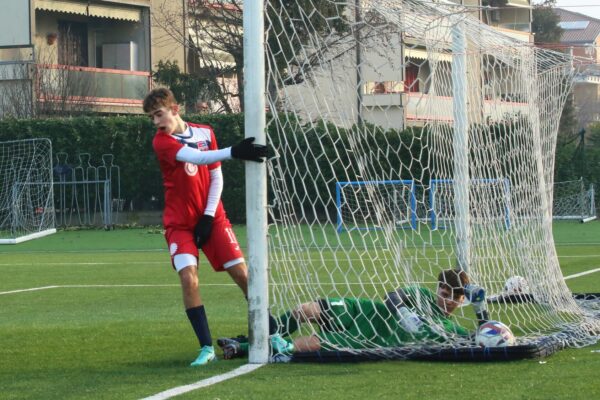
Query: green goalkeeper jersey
{"x": 366, "y": 323}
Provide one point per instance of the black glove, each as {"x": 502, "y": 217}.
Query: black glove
{"x": 202, "y": 230}
{"x": 246, "y": 150}
{"x": 396, "y": 299}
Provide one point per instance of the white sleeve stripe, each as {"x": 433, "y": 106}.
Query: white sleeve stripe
{"x": 214, "y": 191}
{"x": 188, "y": 154}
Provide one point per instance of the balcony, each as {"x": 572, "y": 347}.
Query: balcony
{"x": 516, "y": 31}
{"x": 420, "y": 108}
{"x": 101, "y": 89}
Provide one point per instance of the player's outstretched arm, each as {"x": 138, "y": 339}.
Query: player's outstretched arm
{"x": 244, "y": 150}
{"x": 248, "y": 150}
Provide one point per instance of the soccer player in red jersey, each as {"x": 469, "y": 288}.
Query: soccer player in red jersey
{"x": 194, "y": 217}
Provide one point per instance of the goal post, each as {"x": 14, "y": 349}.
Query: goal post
{"x": 491, "y": 197}
{"x": 355, "y": 208}
{"x": 26, "y": 190}
{"x": 256, "y": 182}
{"x": 572, "y": 200}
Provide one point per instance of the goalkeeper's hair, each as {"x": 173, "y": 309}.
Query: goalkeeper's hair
{"x": 454, "y": 279}
{"x": 157, "y": 98}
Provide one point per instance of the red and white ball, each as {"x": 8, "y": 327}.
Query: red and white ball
{"x": 494, "y": 334}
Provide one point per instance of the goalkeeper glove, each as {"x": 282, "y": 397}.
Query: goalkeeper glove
{"x": 476, "y": 295}
{"x": 203, "y": 229}
{"x": 246, "y": 150}
{"x": 396, "y": 299}
{"x": 409, "y": 320}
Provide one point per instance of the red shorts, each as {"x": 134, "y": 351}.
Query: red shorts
{"x": 222, "y": 248}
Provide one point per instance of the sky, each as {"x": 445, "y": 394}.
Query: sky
{"x": 588, "y": 7}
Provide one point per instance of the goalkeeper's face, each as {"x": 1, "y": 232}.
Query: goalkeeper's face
{"x": 447, "y": 300}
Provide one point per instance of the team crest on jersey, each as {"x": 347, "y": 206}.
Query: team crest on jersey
{"x": 203, "y": 145}
{"x": 191, "y": 169}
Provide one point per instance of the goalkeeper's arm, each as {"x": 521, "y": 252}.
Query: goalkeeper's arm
{"x": 244, "y": 150}
{"x": 398, "y": 303}
{"x": 396, "y": 299}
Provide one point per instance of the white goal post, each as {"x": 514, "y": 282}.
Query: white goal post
{"x": 358, "y": 203}
{"x": 26, "y": 190}
{"x": 490, "y": 199}
{"x": 572, "y": 200}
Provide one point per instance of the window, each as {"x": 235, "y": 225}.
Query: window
{"x": 72, "y": 43}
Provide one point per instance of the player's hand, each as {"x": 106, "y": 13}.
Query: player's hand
{"x": 247, "y": 150}
{"x": 474, "y": 293}
{"x": 396, "y": 299}
{"x": 409, "y": 320}
{"x": 203, "y": 229}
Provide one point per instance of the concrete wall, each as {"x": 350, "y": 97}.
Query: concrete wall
{"x": 168, "y": 32}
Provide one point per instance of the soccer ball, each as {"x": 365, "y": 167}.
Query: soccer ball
{"x": 516, "y": 285}
{"x": 494, "y": 334}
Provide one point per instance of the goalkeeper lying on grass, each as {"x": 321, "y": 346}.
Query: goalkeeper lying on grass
{"x": 407, "y": 315}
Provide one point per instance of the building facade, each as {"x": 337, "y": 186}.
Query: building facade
{"x": 581, "y": 37}
{"x": 83, "y": 56}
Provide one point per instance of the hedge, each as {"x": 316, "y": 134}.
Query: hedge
{"x": 129, "y": 139}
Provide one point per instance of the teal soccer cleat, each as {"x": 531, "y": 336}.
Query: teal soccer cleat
{"x": 281, "y": 346}
{"x": 207, "y": 354}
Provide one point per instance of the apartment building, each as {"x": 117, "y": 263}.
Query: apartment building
{"x": 400, "y": 100}
{"x": 581, "y": 37}
{"x": 387, "y": 79}
{"x": 70, "y": 56}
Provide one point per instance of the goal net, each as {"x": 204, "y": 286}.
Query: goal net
{"x": 572, "y": 200}
{"x": 26, "y": 193}
{"x": 492, "y": 197}
{"x": 422, "y": 93}
{"x": 355, "y": 209}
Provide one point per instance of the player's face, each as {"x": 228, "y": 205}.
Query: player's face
{"x": 447, "y": 301}
{"x": 164, "y": 119}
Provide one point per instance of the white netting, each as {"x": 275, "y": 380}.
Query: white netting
{"x": 26, "y": 193}
{"x": 490, "y": 199}
{"x": 357, "y": 211}
{"x": 573, "y": 200}
{"x": 366, "y": 92}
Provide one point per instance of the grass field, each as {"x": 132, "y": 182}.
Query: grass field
{"x": 106, "y": 322}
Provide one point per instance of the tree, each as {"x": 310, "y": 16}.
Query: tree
{"x": 186, "y": 88}
{"x": 215, "y": 39}
{"x": 545, "y": 23}
{"x": 548, "y": 34}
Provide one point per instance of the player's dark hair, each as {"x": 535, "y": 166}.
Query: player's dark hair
{"x": 156, "y": 98}
{"x": 454, "y": 279}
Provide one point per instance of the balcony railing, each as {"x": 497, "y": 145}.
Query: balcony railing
{"x": 422, "y": 107}
{"x": 92, "y": 86}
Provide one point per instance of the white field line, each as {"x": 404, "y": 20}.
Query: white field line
{"x": 176, "y": 391}
{"x": 29, "y": 290}
{"x": 37, "y": 263}
{"x": 106, "y": 286}
{"x": 591, "y": 271}
{"x": 164, "y": 250}
{"x": 166, "y": 262}
{"x": 312, "y": 248}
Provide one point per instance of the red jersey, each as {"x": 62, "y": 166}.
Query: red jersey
{"x": 186, "y": 185}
